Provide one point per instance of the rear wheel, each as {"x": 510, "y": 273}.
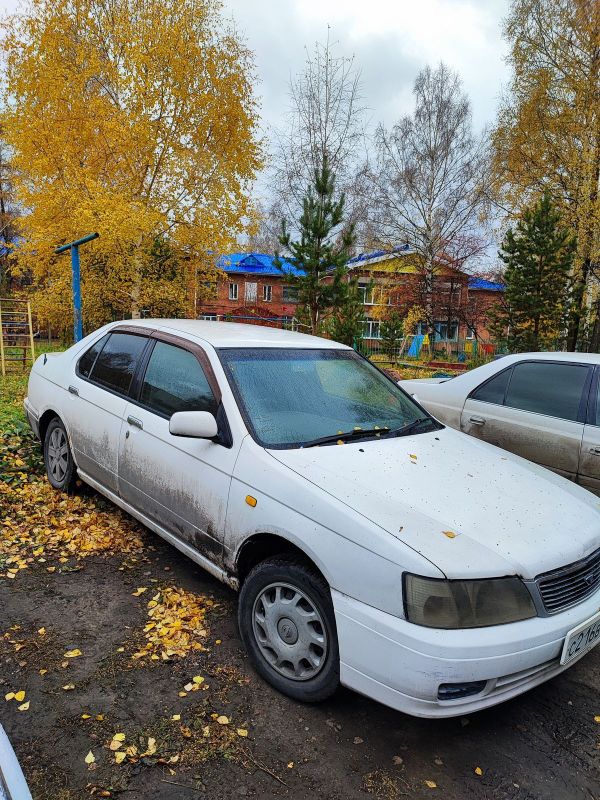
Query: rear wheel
{"x": 58, "y": 459}
{"x": 287, "y": 624}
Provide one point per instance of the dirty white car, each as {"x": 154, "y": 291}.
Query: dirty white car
{"x": 372, "y": 546}
{"x": 542, "y": 406}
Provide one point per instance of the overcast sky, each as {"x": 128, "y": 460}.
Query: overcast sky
{"x": 391, "y": 41}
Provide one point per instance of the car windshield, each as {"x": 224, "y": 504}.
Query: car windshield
{"x": 296, "y": 397}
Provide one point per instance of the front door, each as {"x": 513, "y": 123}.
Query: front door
{"x": 589, "y": 458}
{"x": 178, "y": 482}
{"x": 535, "y": 409}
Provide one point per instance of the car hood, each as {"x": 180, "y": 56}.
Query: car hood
{"x": 470, "y": 508}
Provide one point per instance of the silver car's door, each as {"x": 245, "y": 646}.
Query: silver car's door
{"x": 178, "y": 482}
{"x": 589, "y": 458}
{"x": 535, "y": 409}
{"x": 97, "y": 399}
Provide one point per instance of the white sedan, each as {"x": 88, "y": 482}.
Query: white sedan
{"x": 369, "y": 547}
{"x": 542, "y": 406}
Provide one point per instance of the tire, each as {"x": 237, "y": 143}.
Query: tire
{"x": 287, "y": 624}
{"x": 58, "y": 459}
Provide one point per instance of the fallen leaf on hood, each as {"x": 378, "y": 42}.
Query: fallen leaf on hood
{"x": 450, "y": 534}
{"x": 90, "y": 758}
{"x": 411, "y": 455}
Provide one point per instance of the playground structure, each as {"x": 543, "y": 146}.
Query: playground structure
{"x": 17, "y": 348}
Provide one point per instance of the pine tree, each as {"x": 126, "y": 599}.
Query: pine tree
{"x": 392, "y": 333}
{"x": 322, "y": 251}
{"x": 538, "y": 255}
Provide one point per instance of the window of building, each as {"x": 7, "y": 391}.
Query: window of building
{"x": 209, "y": 317}
{"x": 233, "y": 291}
{"x": 116, "y": 364}
{"x": 250, "y": 292}
{"x": 290, "y": 294}
{"x": 470, "y": 332}
{"x": 442, "y": 332}
{"x": 175, "y": 381}
{"x": 267, "y": 293}
{"x": 371, "y": 329}
{"x": 367, "y": 295}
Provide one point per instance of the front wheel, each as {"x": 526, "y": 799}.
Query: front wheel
{"x": 58, "y": 459}
{"x": 288, "y": 626}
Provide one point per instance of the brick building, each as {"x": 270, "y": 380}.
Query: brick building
{"x": 255, "y": 289}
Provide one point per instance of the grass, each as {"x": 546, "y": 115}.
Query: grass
{"x": 13, "y": 388}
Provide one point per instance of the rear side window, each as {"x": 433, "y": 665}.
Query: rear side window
{"x": 552, "y": 389}
{"x": 175, "y": 381}
{"x": 116, "y": 364}
{"x": 88, "y": 359}
{"x": 493, "y": 391}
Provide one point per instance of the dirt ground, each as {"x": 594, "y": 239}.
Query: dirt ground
{"x": 541, "y": 745}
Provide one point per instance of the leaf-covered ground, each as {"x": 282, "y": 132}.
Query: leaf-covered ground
{"x": 122, "y": 673}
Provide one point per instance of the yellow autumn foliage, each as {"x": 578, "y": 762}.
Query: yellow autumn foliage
{"x": 135, "y": 119}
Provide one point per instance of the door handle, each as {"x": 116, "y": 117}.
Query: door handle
{"x": 595, "y": 451}
{"x": 74, "y": 390}
{"x": 477, "y": 420}
{"x": 137, "y": 423}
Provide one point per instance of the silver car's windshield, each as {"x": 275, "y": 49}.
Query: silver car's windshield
{"x": 298, "y": 398}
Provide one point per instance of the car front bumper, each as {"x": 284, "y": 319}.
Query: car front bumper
{"x": 403, "y": 665}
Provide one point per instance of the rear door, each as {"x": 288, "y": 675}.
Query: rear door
{"x": 589, "y": 459}
{"x": 535, "y": 409}
{"x": 98, "y": 396}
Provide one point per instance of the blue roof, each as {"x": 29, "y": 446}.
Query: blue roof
{"x": 403, "y": 248}
{"x": 481, "y": 283}
{"x": 257, "y": 263}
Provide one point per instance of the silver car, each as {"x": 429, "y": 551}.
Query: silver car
{"x": 542, "y": 406}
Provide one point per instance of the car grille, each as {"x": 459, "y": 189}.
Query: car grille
{"x": 569, "y": 585}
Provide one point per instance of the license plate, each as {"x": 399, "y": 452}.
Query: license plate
{"x": 581, "y": 639}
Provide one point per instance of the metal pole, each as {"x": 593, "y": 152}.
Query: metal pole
{"x": 77, "y": 322}
{"x": 76, "y": 272}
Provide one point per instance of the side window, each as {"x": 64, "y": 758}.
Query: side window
{"x": 116, "y": 363}
{"x": 175, "y": 381}
{"x": 552, "y": 389}
{"x": 493, "y": 391}
{"x": 88, "y": 359}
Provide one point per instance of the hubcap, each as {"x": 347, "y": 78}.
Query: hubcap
{"x": 58, "y": 454}
{"x": 290, "y": 631}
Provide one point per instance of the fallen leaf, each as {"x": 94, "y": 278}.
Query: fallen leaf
{"x": 182, "y": 694}
{"x": 24, "y": 706}
{"x": 90, "y": 758}
{"x": 290, "y": 765}
{"x": 478, "y": 771}
{"x": 85, "y": 716}
{"x": 222, "y": 720}
{"x": 431, "y": 784}
{"x": 597, "y": 718}
{"x": 140, "y": 591}
{"x": 120, "y": 649}
{"x": 43, "y": 671}
{"x": 176, "y": 717}
{"x": 20, "y": 696}
{"x": 198, "y": 679}
{"x": 358, "y": 740}
{"x": 68, "y": 687}
{"x": 72, "y": 653}
{"x": 151, "y": 749}
{"x": 9, "y": 696}
{"x": 188, "y": 687}
{"x": 42, "y": 631}
{"x": 120, "y": 757}
{"x": 411, "y": 455}
{"x": 449, "y": 534}
{"x": 99, "y": 717}
{"x": 242, "y": 732}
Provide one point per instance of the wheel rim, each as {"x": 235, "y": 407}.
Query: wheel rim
{"x": 58, "y": 454}
{"x": 290, "y": 631}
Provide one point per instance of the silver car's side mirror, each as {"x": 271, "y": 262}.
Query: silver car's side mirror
{"x": 195, "y": 424}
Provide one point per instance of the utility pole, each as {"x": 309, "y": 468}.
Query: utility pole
{"x": 76, "y": 281}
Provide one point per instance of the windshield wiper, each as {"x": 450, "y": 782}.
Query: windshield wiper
{"x": 405, "y": 430}
{"x": 347, "y": 436}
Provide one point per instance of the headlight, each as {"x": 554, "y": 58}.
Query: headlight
{"x": 466, "y": 604}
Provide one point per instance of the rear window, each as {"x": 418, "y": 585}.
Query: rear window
{"x": 115, "y": 366}
{"x": 88, "y": 359}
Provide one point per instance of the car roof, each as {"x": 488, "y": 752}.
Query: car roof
{"x": 236, "y": 334}
{"x": 581, "y": 358}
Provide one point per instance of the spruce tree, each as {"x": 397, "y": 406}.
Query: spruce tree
{"x": 538, "y": 255}
{"x": 322, "y": 250}
{"x": 392, "y": 333}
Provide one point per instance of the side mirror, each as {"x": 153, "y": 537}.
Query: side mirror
{"x": 195, "y": 424}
